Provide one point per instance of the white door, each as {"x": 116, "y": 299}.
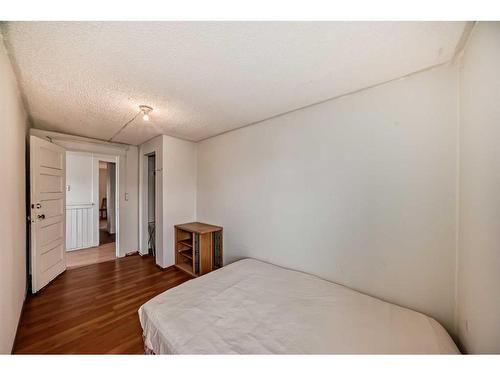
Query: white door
{"x": 47, "y": 183}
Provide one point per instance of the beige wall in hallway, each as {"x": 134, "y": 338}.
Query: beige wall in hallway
{"x": 13, "y": 128}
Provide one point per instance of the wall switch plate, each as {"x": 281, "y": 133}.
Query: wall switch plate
{"x": 126, "y": 196}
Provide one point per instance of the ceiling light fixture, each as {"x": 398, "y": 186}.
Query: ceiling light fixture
{"x": 145, "y": 109}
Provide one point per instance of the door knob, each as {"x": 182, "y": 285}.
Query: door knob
{"x": 41, "y": 217}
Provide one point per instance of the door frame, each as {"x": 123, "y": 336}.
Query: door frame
{"x": 143, "y": 205}
{"x": 154, "y": 146}
{"x": 96, "y": 158}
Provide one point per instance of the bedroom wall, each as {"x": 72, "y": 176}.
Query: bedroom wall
{"x": 479, "y": 251}
{"x": 13, "y": 129}
{"x": 79, "y": 174}
{"x": 360, "y": 190}
{"x": 179, "y": 201}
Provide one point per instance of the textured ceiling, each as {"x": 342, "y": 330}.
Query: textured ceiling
{"x": 204, "y": 78}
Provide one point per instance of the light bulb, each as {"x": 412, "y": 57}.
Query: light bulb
{"x": 145, "y": 109}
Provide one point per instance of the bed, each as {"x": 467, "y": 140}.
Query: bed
{"x": 253, "y": 307}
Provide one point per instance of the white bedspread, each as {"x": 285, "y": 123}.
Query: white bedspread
{"x": 252, "y": 307}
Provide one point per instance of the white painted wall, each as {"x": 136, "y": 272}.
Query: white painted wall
{"x": 360, "y": 190}
{"x": 179, "y": 201}
{"x": 128, "y": 186}
{"x": 13, "y": 128}
{"x": 479, "y": 251}
{"x": 80, "y": 201}
{"x": 79, "y": 176}
{"x": 175, "y": 195}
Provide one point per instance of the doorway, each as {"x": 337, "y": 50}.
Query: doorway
{"x": 107, "y": 184}
{"x": 151, "y": 199}
{"x": 151, "y": 204}
{"x": 91, "y": 209}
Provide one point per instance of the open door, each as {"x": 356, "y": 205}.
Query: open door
{"x": 48, "y": 227}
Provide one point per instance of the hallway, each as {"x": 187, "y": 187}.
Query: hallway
{"x": 104, "y": 236}
{"x": 84, "y": 257}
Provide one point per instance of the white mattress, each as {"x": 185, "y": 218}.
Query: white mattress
{"x": 252, "y": 307}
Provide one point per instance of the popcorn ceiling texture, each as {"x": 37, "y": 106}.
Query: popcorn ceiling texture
{"x": 205, "y": 78}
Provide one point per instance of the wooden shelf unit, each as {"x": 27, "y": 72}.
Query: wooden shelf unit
{"x": 186, "y": 243}
{"x": 198, "y": 248}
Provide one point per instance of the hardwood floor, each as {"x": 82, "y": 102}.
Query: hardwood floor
{"x": 93, "y": 309}
{"x": 99, "y": 254}
{"x": 104, "y": 236}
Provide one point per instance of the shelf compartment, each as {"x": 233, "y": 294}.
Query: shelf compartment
{"x": 183, "y": 235}
{"x": 182, "y": 247}
{"x": 186, "y": 267}
{"x": 186, "y": 243}
{"x": 186, "y": 253}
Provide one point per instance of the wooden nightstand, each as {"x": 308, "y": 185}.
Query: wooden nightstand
{"x": 198, "y": 248}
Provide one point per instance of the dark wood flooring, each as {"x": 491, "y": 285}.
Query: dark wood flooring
{"x": 93, "y": 309}
{"x": 105, "y": 237}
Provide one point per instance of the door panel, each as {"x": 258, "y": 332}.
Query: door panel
{"x": 47, "y": 180}
{"x": 51, "y": 181}
{"x": 50, "y": 258}
{"x": 52, "y": 232}
{"x": 53, "y": 207}
{"x": 51, "y": 158}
